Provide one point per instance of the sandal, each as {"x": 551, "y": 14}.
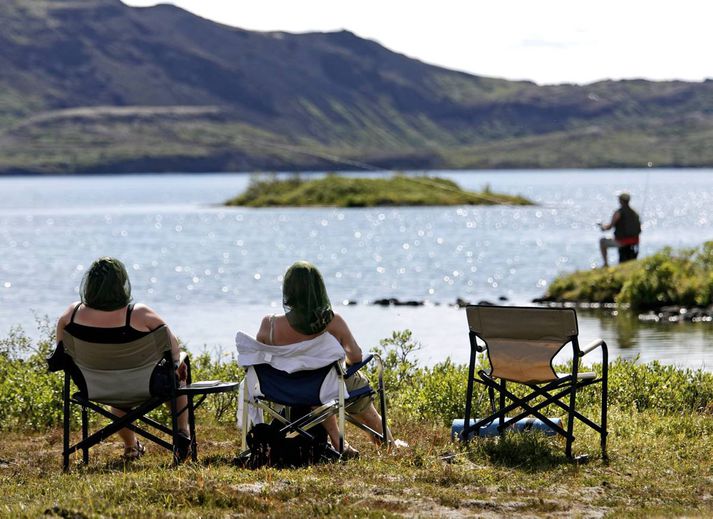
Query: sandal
{"x": 134, "y": 452}
{"x": 182, "y": 448}
{"x": 349, "y": 453}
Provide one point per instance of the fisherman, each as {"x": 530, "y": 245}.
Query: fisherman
{"x": 627, "y": 227}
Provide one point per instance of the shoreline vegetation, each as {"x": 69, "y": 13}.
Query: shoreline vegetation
{"x": 660, "y": 430}
{"x": 340, "y": 191}
{"x": 675, "y": 285}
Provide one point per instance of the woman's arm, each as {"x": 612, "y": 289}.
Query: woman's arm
{"x": 338, "y": 327}
{"x": 144, "y": 318}
{"x": 64, "y": 321}
{"x": 614, "y": 219}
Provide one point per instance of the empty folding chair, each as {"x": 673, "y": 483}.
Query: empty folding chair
{"x": 521, "y": 344}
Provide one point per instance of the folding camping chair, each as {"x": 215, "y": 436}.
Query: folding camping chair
{"x": 521, "y": 344}
{"x": 271, "y": 388}
{"x": 136, "y": 376}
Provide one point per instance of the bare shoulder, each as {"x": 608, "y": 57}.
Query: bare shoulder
{"x": 67, "y": 314}
{"x": 338, "y": 324}
{"x": 143, "y": 315}
{"x": 263, "y": 332}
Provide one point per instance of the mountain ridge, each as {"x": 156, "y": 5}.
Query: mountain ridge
{"x": 300, "y": 101}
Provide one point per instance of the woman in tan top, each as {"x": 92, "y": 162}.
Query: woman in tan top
{"x": 105, "y": 315}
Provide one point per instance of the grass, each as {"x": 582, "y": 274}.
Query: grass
{"x": 659, "y": 465}
{"x": 683, "y": 277}
{"x": 661, "y": 436}
{"x": 334, "y": 190}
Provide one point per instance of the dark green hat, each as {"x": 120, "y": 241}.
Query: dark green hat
{"x": 305, "y": 300}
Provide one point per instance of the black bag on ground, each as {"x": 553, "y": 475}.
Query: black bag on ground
{"x": 270, "y": 447}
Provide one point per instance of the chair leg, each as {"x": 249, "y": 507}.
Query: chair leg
{"x": 570, "y": 421}
{"x": 192, "y": 428}
{"x": 244, "y": 391}
{"x": 465, "y": 434}
{"x": 341, "y": 415}
{"x": 382, "y": 407}
{"x": 174, "y": 429}
{"x": 85, "y": 434}
{"x": 65, "y": 442}
{"x": 501, "y": 414}
{"x": 491, "y": 397}
{"x": 605, "y": 384}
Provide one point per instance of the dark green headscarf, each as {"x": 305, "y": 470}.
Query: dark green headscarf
{"x": 305, "y": 299}
{"x": 106, "y": 286}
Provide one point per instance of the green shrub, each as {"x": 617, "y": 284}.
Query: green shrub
{"x": 31, "y": 398}
{"x": 668, "y": 277}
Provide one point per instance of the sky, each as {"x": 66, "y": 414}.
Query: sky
{"x": 546, "y": 41}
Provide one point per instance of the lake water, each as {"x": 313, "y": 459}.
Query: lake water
{"x": 211, "y": 270}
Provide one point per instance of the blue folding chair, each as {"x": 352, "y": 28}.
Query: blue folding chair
{"x": 276, "y": 392}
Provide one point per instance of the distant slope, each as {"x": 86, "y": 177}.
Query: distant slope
{"x": 95, "y": 85}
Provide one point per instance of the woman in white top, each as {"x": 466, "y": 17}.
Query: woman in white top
{"x": 308, "y": 314}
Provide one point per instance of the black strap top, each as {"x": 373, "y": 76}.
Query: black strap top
{"x": 105, "y": 335}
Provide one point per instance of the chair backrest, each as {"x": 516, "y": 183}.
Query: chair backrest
{"x": 292, "y": 389}
{"x": 118, "y": 373}
{"x": 522, "y": 342}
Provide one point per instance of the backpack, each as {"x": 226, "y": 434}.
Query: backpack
{"x": 270, "y": 447}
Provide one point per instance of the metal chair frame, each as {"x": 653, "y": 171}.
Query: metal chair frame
{"x": 303, "y": 424}
{"x": 552, "y": 392}
{"x": 136, "y": 414}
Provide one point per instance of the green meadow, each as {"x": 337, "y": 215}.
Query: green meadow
{"x": 660, "y": 440}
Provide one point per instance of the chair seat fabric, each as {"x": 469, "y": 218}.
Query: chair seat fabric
{"x": 119, "y": 373}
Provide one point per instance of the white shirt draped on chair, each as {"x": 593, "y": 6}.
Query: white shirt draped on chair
{"x": 305, "y": 355}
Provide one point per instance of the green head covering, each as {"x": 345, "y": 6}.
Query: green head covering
{"x": 305, "y": 299}
{"x": 106, "y": 285}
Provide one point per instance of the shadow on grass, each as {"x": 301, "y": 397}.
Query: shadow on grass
{"x": 530, "y": 451}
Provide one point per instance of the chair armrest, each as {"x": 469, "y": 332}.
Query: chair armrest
{"x": 356, "y": 367}
{"x": 480, "y": 348}
{"x": 592, "y": 346}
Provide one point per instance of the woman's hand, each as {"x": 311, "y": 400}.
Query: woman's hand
{"x": 182, "y": 372}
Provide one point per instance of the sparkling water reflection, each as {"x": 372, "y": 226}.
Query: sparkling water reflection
{"x": 210, "y": 270}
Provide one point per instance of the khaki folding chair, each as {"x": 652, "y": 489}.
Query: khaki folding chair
{"x": 521, "y": 344}
{"x": 136, "y": 376}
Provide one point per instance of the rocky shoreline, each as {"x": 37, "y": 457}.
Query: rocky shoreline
{"x": 459, "y": 302}
{"x": 665, "y": 314}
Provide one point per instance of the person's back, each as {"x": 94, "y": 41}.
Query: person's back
{"x": 627, "y": 227}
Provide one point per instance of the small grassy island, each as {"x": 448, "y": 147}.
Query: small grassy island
{"x": 667, "y": 278}
{"x": 339, "y": 191}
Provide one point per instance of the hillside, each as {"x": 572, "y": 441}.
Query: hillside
{"x": 97, "y": 86}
